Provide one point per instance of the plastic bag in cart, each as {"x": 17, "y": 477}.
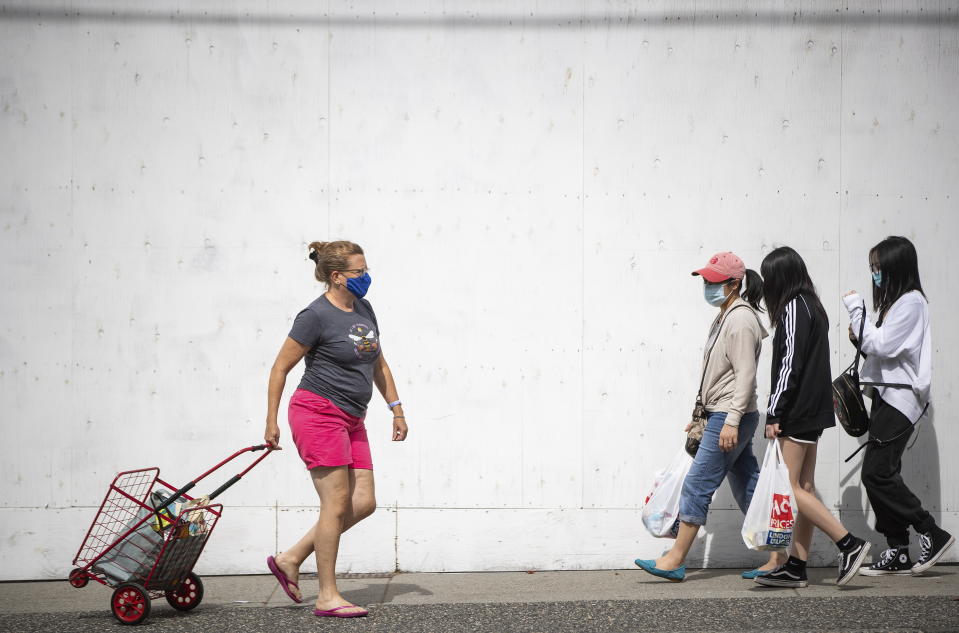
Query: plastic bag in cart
{"x": 770, "y": 517}
{"x": 133, "y": 558}
{"x": 661, "y": 508}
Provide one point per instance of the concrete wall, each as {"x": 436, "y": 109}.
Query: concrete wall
{"x": 533, "y": 183}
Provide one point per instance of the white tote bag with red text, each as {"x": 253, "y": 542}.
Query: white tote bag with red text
{"x": 770, "y": 517}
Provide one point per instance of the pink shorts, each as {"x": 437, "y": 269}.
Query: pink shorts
{"x": 325, "y": 435}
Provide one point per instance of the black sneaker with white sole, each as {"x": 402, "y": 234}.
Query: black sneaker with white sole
{"x": 784, "y": 576}
{"x": 850, "y": 559}
{"x": 894, "y": 560}
{"x": 932, "y": 545}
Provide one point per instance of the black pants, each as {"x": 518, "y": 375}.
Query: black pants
{"x": 896, "y": 507}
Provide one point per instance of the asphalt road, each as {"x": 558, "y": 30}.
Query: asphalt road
{"x": 614, "y": 601}
{"x": 927, "y": 614}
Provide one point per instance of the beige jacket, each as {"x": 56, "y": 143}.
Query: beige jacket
{"x": 730, "y": 370}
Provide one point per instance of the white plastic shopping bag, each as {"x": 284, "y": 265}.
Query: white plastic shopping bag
{"x": 661, "y": 508}
{"x": 770, "y": 517}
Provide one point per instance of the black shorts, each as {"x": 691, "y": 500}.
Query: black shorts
{"x": 810, "y": 437}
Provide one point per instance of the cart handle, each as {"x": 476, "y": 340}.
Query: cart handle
{"x": 259, "y": 447}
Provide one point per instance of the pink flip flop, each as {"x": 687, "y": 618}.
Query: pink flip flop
{"x": 282, "y": 579}
{"x": 334, "y": 612}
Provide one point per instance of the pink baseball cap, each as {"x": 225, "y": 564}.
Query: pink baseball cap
{"x": 722, "y": 266}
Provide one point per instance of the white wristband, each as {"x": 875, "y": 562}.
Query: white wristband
{"x": 395, "y": 403}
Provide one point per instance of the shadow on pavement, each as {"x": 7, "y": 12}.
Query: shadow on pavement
{"x": 395, "y": 589}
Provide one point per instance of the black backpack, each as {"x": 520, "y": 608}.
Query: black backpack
{"x": 847, "y": 399}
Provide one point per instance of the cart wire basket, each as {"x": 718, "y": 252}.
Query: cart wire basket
{"x": 146, "y": 538}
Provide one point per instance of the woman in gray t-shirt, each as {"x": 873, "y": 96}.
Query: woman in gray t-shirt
{"x": 338, "y": 337}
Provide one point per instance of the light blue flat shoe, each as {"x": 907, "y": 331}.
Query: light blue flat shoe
{"x": 755, "y": 573}
{"x": 673, "y": 575}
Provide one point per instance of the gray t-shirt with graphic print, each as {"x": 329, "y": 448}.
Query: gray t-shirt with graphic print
{"x": 344, "y": 347}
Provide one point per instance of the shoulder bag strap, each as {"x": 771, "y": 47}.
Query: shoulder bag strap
{"x": 862, "y": 328}
{"x": 892, "y": 439}
{"x": 719, "y": 329}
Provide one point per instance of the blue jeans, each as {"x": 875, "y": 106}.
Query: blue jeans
{"x": 712, "y": 465}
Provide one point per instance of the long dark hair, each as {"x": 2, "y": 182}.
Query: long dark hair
{"x": 898, "y": 262}
{"x": 784, "y": 278}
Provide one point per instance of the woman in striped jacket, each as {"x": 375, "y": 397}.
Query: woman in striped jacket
{"x": 800, "y": 409}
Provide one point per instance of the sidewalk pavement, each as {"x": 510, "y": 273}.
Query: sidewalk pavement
{"x": 580, "y": 601}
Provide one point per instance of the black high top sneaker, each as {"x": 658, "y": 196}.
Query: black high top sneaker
{"x": 932, "y": 545}
{"x": 852, "y": 553}
{"x": 894, "y": 560}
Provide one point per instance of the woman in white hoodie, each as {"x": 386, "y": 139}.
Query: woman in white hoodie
{"x": 898, "y": 349}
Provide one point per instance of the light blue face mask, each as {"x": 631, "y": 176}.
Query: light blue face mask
{"x": 714, "y": 295}
{"x": 877, "y": 279}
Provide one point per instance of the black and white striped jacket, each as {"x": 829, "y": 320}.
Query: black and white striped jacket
{"x": 800, "y": 393}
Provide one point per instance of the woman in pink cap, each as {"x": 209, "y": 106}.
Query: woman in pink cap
{"x": 728, "y": 393}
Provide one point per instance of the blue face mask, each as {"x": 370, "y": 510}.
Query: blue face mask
{"x": 359, "y": 285}
{"x": 877, "y": 279}
{"x": 714, "y": 295}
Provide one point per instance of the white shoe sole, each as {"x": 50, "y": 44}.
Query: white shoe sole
{"x": 854, "y": 569}
{"x": 865, "y": 571}
{"x": 918, "y": 569}
{"x": 788, "y": 584}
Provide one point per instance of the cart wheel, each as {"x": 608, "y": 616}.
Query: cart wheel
{"x": 130, "y": 603}
{"x": 188, "y": 595}
{"x": 78, "y": 578}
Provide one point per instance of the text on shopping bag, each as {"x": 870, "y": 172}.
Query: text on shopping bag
{"x": 781, "y": 517}
{"x": 781, "y": 522}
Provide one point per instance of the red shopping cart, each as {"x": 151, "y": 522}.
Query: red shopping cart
{"x": 146, "y": 538}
